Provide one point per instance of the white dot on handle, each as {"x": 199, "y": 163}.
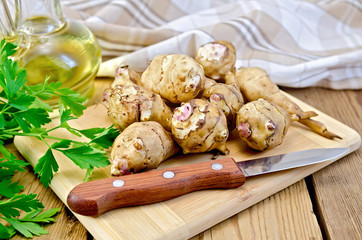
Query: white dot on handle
{"x": 217, "y": 166}
{"x": 168, "y": 174}
{"x": 118, "y": 183}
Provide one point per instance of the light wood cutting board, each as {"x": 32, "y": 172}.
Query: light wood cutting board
{"x": 188, "y": 215}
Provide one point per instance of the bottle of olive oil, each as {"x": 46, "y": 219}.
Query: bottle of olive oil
{"x": 59, "y": 49}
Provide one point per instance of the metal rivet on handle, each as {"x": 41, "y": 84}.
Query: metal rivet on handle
{"x": 168, "y": 174}
{"x": 217, "y": 166}
{"x": 118, "y": 183}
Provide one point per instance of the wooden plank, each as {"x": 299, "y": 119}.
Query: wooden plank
{"x": 315, "y": 97}
{"x": 338, "y": 187}
{"x": 285, "y": 215}
{"x": 242, "y": 218}
{"x": 193, "y": 213}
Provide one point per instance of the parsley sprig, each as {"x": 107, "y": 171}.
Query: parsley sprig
{"x": 23, "y": 112}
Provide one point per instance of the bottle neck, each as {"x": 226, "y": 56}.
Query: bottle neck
{"x": 35, "y": 17}
{"x": 7, "y": 25}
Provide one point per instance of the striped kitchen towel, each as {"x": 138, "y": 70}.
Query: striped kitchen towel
{"x": 299, "y": 43}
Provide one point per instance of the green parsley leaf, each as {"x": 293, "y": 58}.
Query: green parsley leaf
{"x": 2, "y": 121}
{"x": 68, "y": 98}
{"x": 6, "y": 174}
{"x": 65, "y": 114}
{"x": 6, "y": 232}
{"x": 22, "y": 101}
{"x": 75, "y": 107}
{"x": 35, "y": 116}
{"x": 44, "y": 217}
{"x": 45, "y": 167}
{"x": 28, "y": 225}
{"x": 9, "y": 189}
{"x": 23, "y": 113}
{"x": 39, "y": 91}
{"x": 28, "y": 229}
{"x": 40, "y": 104}
{"x": 7, "y": 49}
{"x": 91, "y": 132}
{"x": 11, "y": 78}
{"x": 65, "y": 143}
{"x": 10, "y": 208}
{"x": 86, "y": 157}
{"x": 22, "y": 109}
{"x": 9, "y": 162}
{"x": 104, "y": 137}
{"x": 88, "y": 174}
{"x": 31, "y": 117}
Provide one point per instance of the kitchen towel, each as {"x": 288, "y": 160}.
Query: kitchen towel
{"x": 299, "y": 43}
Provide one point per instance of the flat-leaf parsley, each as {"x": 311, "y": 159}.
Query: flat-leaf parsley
{"x": 24, "y": 113}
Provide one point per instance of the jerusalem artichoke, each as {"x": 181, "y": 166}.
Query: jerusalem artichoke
{"x": 141, "y": 146}
{"x": 176, "y": 77}
{"x": 227, "y": 97}
{"x": 133, "y": 103}
{"x": 200, "y": 126}
{"x": 255, "y": 83}
{"x": 125, "y": 76}
{"x": 262, "y": 124}
{"x": 217, "y": 58}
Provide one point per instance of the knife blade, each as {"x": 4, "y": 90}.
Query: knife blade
{"x": 99, "y": 196}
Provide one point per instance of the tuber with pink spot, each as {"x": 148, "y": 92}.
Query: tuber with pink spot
{"x": 226, "y": 96}
{"x": 217, "y": 58}
{"x": 262, "y": 124}
{"x": 200, "y": 126}
{"x": 255, "y": 83}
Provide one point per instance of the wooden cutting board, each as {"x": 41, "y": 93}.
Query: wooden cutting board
{"x": 188, "y": 215}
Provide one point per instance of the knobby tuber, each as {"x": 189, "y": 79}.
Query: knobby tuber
{"x": 211, "y": 106}
{"x": 255, "y": 83}
{"x": 141, "y": 146}
{"x": 230, "y": 79}
{"x": 200, "y": 126}
{"x": 217, "y": 58}
{"x": 227, "y": 97}
{"x": 176, "y": 77}
{"x": 133, "y": 103}
{"x": 262, "y": 124}
{"x": 125, "y": 76}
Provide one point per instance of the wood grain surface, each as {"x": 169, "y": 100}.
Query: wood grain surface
{"x": 337, "y": 188}
{"x": 329, "y": 207}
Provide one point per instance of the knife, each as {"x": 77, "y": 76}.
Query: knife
{"x": 96, "y": 197}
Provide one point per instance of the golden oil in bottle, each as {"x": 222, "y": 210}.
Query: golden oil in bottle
{"x": 70, "y": 55}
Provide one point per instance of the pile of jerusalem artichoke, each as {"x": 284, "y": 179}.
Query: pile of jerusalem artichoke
{"x": 192, "y": 104}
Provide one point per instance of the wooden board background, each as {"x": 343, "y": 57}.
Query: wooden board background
{"x": 188, "y": 215}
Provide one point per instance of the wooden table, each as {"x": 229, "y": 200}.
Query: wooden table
{"x": 324, "y": 205}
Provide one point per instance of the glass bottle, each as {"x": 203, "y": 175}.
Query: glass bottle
{"x": 61, "y": 49}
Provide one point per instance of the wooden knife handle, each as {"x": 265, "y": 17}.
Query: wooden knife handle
{"x": 96, "y": 197}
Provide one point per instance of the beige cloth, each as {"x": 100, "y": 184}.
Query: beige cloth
{"x": 299, "y": 43}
